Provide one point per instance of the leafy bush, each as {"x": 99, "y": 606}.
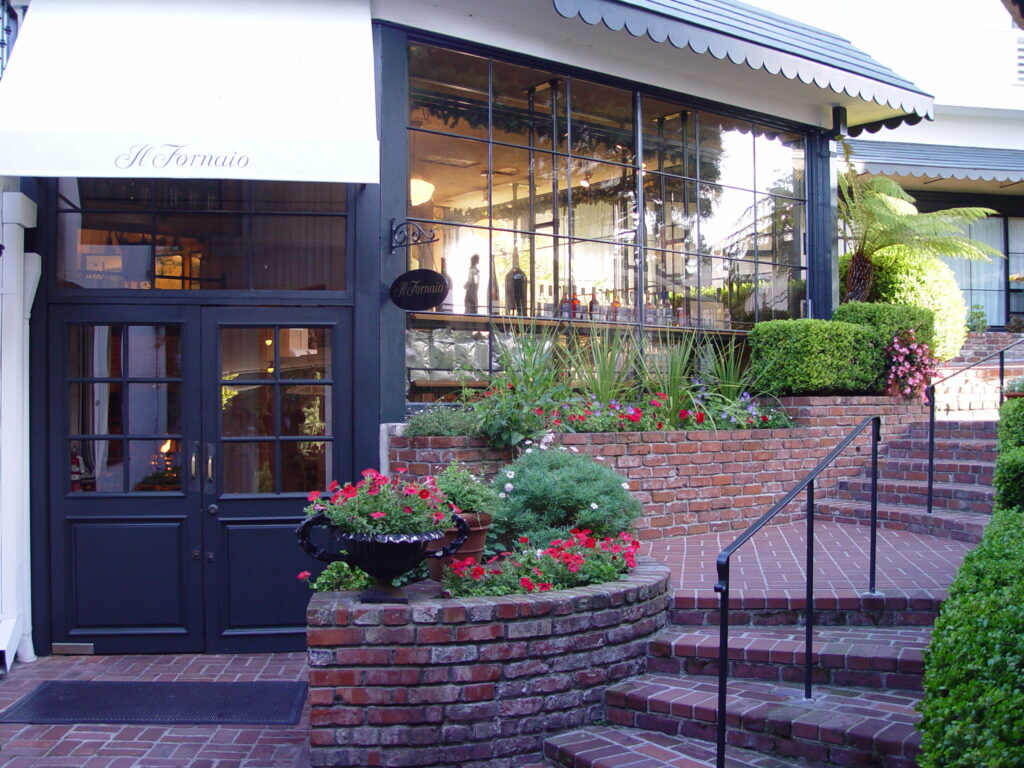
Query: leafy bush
{"x": 1009, "y": 478}
{"x": 889, "y": 321}
{"x": 909, "y": 367}
{"x": 575, "y": 561}
{"x": 794, "y": 357}
{"x": 977, "y": 321}
{"x": 920, "y": 281}
{"x": 974, "y": 667}
{"x": 444, "y": 420}
{"x": 338, "y": 576}
{"x": 548, "y": 491}
{"x": 465, "y": 490}
{"x": 1010, "y": 430}
{"x": 1015, "y": 324}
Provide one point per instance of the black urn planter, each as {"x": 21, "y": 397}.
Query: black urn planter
{"x": 385, "y": 556}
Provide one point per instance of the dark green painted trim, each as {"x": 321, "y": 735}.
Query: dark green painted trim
{"x": 822, "y": 244}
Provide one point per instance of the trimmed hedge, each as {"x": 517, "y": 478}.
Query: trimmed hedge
{"x": 974, "y": 667}
{"x": 1010, "y": 430}
{"x": 888, "y": 320}
{"x": 795, "y": 357}
{"x": 1009, "y": 478}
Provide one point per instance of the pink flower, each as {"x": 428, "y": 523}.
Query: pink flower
{"x": 313, "y": 496}
{"x": 303, "y": 575}
{"x": 378, "y": 514}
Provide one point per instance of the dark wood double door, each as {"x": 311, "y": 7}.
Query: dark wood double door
{"x": 184, "y": 441}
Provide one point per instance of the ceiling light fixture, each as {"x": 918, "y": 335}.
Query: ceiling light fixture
{"x": 420, "y": 191}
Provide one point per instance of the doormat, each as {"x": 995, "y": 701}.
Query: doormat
{"x": 94, "y": 701}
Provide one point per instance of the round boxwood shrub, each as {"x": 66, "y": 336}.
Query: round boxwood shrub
{"x": 1009, "y": 478}
{"x": 798, "y": 357}
{"x": 1010, "y": 430}
{"x": 920, "y": 281}
{"x": 888, "y": 320}
{"x": 549, "y": 491}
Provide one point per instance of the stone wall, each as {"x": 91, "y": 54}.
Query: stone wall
{"x": 700, "y": 481}
{"x": 473, "y": 682}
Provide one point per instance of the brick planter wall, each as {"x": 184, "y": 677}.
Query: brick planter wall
{"x": 473, "y": 682}
{"x": 699, "y": 481}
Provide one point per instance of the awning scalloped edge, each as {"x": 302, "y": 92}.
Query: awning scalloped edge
{"x": 972, "y": 174}
{"x": 700, "y": 40}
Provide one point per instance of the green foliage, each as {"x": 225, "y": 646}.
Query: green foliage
{"x": 378, "y": 504}
{"x": 667, "y": 371}
{"x": 1009, "y": 478}
{"x": 604, "y": 363}
{"x": 977, "y": 321}
{"x": 444, "y": 420}
{"x": 889, "y": 321}
{"x": 920, "y": 281}
{"x": 338, "y": 577}
{"x": 465, "y": 490}
{"x": 1014, "y": 385}
{"x": 1010, "y": 430}
{"x": 548, "y": 491}
{"x": 1015, "y": 324}
{"x": 534, "y": 375}
{"x": 725, "y": 369}
{"x": 793, "y": 357}
{"x": 974, "y": 667}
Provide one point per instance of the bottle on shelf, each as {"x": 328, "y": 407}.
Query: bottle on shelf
{"x": 593, "y": 308}
{"x": 614, "y": 308}
{"x": 575, "y": 313}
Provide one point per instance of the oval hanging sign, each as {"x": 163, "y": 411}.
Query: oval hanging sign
{"x": 419, "y": 289}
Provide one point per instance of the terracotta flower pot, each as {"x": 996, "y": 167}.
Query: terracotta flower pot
{"x": 479, "y": 523}
{"x": 1013, "y": 394}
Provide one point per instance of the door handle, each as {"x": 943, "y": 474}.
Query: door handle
{"x": 213, "y": 509}
{"x": 209, "y": 468}
{"x": 193, "y": 461}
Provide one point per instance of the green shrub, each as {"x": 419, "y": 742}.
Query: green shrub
{"x": 1010, "y": 430}
{"x": 977, "y": 321}
{"x": 1009, "y": 478}
{"x": 465, "y": 490}
{"x": 920, "y": 281}
{"x": 974, "y": 667}
{"x": 795, "y": 357}
{"x": 548, "y": 491}
{"x": 888, "y": 320}
{"x": 443, "y": 420}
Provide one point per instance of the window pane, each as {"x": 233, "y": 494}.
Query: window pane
{"x": 154, "y": 409}
{"x": 304, "y": 410}
{"x": 525, "y": 102}
{"x": 104, "y": 250}
{"x": 305, "y": 353}
{"x": 95, "y": 409}
{"x": 606, "y": 271}
{"x": 728, "y": 226}
{"x": 154, "y": 351}
{"x": 304, "y": 465}
{"x": 1016, "y": 241}
{"x": 780, "y": 162}
{"x": 247, "y": 410}
{"x": 670, "y": 138}
{"x": 780, "y": 230}
{"x": 246, "y": 353}
{"x": 97, "y": 466}
{"x": 603, "y": 201}
{"x": 780, "y": 290}
{"x": 602, "y": 122}
{"x": 212, "y": 251}
{"x": 94, "y": 351}
{"x": 726, "y": 150}
{"x": 448, "y": 178}
{"x": 155, "y": 465}
{"x": 298, "y": 253}
{"x": 105, "y": 194}
{"x": 447, "y": 91}
{"x": 249, "y": 467}
{"x": 739, "y": 290}
{"x": 300, "y": 196}
{"x": 202, "y": 195}
{"x": 671, "y": 282}
{"x": 670, "y": 207}
{"x": 517, "y": 204}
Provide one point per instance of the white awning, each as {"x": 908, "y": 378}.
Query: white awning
{"x": 214, "y": 89}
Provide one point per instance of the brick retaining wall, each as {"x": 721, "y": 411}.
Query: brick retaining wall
{"x": 699, "y": 481}
{"x": 473, "y": 682}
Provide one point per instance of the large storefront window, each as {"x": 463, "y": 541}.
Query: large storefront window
{"x": 997, "y": 284}
{"x": 146, "y": 234}
{"x": 561, "y": 199}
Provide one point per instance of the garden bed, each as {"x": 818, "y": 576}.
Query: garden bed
{"x": 698, "y": 481}
{"x": 475, "y": 682}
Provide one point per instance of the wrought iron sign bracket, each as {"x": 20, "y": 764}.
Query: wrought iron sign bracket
{"x": 409, "y": 233}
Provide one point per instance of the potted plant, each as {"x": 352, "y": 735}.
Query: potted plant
{"x": 1014, "y": 387}
{"x": 382, "y": 526}
{"x": 474, "y": 501}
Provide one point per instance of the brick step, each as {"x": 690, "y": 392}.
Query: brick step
{"x": 963, "y": 497}
{"x": 945, "y": 523}
{"x": 945, "y": 450}
{"x": 609, "y": 746}
{"x": 785, "y": 608}
{"x": 868, "y": 657}
{"x": 955, "y": 430}
{"x": 844, "y": 726}
{"x": 946, "y": 471}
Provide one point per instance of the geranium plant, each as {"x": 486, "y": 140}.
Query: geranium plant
{"x": 575, "y": 561}
{"x": 910, "y": 367}
{"x": 378, "y": 504}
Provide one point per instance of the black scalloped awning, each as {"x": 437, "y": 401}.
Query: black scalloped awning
{"x": 762, "y": 40}
{"x": 939, "y": 161}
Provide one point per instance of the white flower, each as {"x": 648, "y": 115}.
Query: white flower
{"x": 529, "y": 442}
{"x": 501, "y": 495}
{"x": 508, "y": 487}
{"x": 528, "y": 450}
{"x": 510, "y": 475}
{"x": 574, "y": 449}
{"x": 599, "y": 458}
{"x": 593, "y": 505}
{"x": 626, "y": 486}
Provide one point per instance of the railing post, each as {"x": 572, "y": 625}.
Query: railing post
{"x": 723, "y": 658}
{"x": 810, "y": 590}
{"x": 931, "y": 443}
{"x": 876, "y": 424}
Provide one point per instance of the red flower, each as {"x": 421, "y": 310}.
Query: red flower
{"x": 302, "y": 575}
{"x": 656, "y": 403}
{"x": 407, "y": 509}
{"x": 335, "y": 497}
{"x": 378, "y": 514}
{"x": 699, "y": 418}
{"x": 333, "y": 486}
{"x": 526, "y": 584}
{"x": 438, "y": 517}
{"x": 660, "y": 394}
{"x": 424, "y": 493}
{"x": 477, "y": 573}
{"x": 372, "y": 489}
{"x": 557, "y": 421}
{"x": 348, "y": 491}
{"x": 524, "y": 540}
{"x": 313, "y": 496}
{"x": 684, "y": 414}
{"x": 544, "y": 586}
{"x": 659, "y": 425}
{"x": 539, "y": 411}
{"x": 764, "y": 418}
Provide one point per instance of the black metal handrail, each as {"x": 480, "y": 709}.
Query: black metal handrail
{"x": 722, "y": 564}
{"x": 930, "y": 394}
